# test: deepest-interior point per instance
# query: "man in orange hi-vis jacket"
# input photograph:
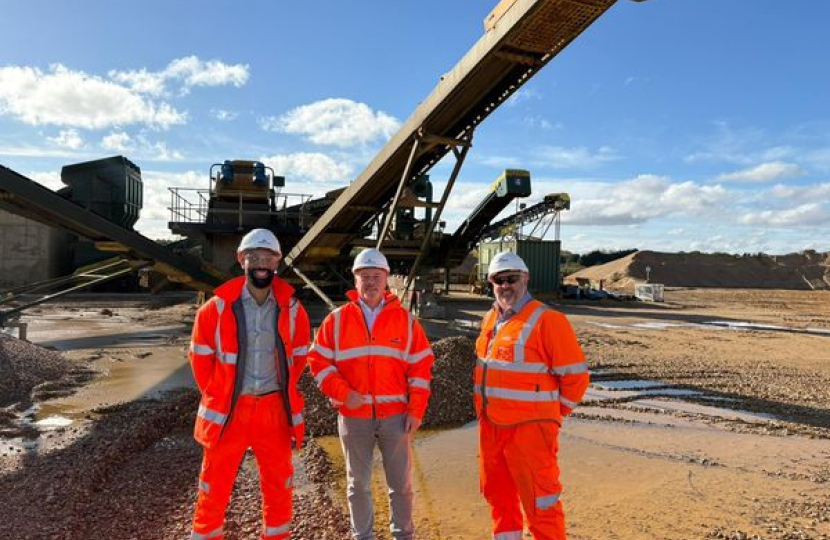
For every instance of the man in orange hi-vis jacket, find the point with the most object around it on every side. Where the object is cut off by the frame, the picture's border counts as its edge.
(372, 358)
(247, 352)
(529, 375)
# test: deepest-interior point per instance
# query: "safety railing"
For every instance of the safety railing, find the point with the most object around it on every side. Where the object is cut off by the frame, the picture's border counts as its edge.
(192, 205)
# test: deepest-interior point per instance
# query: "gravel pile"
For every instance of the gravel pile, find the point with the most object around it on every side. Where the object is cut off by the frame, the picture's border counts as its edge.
(24, 366)
(133, 474)
(451, 402)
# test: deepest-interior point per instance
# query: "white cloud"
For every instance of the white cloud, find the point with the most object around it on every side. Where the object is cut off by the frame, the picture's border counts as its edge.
(189, 71)
(72, 98)
(540, 123)
(523, 94)
(810, 214)
(140, 147)
(196, 72)
(223, 115)
(309, 167)
(642, 199)
(557, 157)
(798, 194)
(336, 122)
(116, 141)
(765, 172)
(50, 179)
(68, 138)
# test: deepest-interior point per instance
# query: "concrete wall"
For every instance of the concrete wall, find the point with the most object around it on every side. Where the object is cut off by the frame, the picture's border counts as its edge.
(30, 251)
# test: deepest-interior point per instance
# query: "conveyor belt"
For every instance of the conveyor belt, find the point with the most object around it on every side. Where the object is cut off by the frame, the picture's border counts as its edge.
(526, 38)
(29, 199)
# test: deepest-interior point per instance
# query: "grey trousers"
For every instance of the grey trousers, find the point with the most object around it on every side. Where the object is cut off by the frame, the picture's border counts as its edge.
(357, 437)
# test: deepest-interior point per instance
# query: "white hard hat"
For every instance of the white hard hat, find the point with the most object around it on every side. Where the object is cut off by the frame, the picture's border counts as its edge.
(504, 261)
(370, 258)
(259, 239)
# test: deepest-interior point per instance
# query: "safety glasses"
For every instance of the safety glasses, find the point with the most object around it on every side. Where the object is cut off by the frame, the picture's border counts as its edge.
(261, 258)
(511, 279)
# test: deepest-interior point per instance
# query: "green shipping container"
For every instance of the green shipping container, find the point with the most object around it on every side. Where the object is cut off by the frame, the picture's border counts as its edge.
(541, 258)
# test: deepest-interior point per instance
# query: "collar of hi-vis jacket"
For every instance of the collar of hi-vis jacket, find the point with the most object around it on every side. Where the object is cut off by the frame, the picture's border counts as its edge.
(388, 298)
(231, 290)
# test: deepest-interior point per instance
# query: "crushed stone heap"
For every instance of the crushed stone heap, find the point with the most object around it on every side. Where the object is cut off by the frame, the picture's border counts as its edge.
(451, 402)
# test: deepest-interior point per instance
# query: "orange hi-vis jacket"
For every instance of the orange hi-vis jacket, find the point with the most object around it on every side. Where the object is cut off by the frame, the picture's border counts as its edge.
(531, 370)
(391, 367)
(217, 349)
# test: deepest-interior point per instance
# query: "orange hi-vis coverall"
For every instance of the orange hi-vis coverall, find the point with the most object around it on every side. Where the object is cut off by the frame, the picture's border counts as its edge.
(227, 423)
(528, 376)
(391, 367)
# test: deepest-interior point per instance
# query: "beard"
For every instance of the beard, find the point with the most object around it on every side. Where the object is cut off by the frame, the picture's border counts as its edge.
(260, 282)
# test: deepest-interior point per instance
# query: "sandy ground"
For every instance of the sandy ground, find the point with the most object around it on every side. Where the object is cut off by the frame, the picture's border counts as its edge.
(709, 417)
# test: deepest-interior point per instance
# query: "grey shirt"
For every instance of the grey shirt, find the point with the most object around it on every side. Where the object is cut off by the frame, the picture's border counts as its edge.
(261, 375)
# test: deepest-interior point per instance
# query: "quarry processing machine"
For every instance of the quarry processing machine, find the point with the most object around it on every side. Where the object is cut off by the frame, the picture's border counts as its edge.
(521, 37)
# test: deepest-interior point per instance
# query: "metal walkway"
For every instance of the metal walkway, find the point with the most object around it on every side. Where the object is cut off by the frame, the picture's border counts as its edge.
(27, 198)
(524, 40)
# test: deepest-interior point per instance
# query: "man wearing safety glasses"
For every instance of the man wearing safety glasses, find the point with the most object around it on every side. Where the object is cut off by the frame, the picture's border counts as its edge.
(530, 374)
(247, 352)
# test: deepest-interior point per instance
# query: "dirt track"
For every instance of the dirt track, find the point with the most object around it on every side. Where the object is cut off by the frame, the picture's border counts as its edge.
(637, 463)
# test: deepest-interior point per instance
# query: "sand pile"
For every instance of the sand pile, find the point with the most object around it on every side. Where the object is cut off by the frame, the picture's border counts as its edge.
(796, 271)
(451, 402)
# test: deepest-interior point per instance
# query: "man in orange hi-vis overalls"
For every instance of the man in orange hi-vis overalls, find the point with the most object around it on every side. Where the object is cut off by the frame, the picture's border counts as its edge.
(530, 374)
(372, 358)
(247, 352)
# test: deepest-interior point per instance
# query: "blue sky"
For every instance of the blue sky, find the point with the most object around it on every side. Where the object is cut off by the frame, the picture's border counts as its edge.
(675, 125)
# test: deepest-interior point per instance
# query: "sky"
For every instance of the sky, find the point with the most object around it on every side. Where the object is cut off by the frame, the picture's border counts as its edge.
(674, 125)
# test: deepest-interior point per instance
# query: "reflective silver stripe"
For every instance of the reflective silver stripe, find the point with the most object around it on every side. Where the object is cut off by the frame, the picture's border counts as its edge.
(323, 351)
(390, 399)
(542, 396)
(568, 403)
(204, 486)
(336, 333)
(297, 419)
(508, 535)
(357, 352)
(198, 348)
(274, 531)
(410, 323)
(301, 351)
(320, 377)
(292, 318)
(418, 382)
(415, 358)
(220, 307)
(546, 501)
(573, 369)
(519, 346)
(211, 415)
(212, 534)
(367, 399)
(228, 358)
(501, 365)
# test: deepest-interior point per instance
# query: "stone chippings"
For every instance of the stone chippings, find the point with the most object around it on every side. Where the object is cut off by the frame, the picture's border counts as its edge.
(25, 366)
(133, 474)
(451, 402)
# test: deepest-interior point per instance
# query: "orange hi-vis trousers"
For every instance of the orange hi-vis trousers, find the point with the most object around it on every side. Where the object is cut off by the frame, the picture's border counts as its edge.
(518, 464)
(258, 423)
